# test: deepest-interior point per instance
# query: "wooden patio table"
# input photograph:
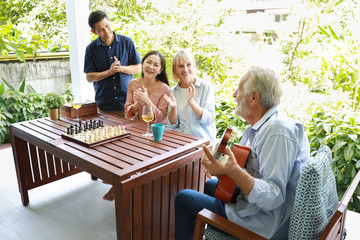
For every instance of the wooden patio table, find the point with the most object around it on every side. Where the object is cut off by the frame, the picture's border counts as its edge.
(146, 175)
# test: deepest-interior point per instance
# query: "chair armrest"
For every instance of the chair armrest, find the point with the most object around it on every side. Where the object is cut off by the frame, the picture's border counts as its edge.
(206, 216)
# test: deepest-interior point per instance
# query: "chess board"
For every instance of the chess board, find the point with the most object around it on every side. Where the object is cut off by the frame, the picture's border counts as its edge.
(94, 133)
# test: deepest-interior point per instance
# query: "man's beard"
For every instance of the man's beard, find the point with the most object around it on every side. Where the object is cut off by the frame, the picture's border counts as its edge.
(241, 109)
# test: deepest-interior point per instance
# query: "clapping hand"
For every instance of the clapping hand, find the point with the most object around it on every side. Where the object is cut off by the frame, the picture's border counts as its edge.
(141, 96)
(115, 67)
(191, 93)
(170, 99)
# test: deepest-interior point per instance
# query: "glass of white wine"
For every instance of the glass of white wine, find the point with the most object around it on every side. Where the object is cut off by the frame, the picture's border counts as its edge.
(147, 116)
(76, 103)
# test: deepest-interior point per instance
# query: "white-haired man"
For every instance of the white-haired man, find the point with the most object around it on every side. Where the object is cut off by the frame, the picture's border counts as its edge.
(279, 151)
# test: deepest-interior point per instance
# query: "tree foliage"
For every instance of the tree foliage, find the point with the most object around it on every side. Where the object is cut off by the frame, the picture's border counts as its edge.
(323, 52)
(14, 10)
(40, 24)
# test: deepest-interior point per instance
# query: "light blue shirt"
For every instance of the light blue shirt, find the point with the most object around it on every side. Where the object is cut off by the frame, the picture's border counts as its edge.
(205, 97)
(279, 151)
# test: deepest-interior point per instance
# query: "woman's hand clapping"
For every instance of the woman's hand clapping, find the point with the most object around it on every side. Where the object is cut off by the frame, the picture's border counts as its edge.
(141, 96)
(170, 99)
(191, 94)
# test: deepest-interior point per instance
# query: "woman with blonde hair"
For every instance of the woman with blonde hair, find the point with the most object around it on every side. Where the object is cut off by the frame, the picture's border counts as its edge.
(191, 101)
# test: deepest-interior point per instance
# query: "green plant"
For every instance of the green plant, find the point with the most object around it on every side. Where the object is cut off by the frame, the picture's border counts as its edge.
(337, 127)
(4, 116)
(323, 51)
(40, 22)
(25, 106)
(68, 96)
(225, 117)
(17, 106)
(54, 100)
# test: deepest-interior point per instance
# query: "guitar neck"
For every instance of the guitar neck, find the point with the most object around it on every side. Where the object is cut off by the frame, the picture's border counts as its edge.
(228, 139)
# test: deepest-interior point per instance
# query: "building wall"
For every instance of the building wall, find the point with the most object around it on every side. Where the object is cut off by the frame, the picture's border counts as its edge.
(44, 75)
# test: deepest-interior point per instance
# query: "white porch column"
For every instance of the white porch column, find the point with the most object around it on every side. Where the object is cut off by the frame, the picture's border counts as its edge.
(77, 13)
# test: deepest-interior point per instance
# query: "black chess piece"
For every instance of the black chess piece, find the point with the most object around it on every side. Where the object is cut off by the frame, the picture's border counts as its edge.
(71, 129)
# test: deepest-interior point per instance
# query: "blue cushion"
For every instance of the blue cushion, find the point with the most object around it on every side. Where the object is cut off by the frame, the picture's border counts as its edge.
(212, 234)
(316, 198)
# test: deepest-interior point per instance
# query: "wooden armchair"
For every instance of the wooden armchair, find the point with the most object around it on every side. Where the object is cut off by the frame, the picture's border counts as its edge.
(333, 224)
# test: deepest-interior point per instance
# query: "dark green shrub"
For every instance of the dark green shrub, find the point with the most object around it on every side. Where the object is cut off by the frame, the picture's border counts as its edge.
(338, 129)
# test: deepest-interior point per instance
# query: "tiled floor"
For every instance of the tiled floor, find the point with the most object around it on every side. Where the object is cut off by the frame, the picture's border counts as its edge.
(71, 209)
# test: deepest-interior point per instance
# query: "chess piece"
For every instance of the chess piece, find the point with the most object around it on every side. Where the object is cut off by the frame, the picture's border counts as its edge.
(72, 130)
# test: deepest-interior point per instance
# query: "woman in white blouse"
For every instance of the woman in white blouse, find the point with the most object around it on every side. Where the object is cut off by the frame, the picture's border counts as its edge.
(191, 101)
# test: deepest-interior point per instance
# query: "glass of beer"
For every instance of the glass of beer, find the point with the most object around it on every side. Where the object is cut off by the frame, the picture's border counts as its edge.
(147, 115)
(76, 103)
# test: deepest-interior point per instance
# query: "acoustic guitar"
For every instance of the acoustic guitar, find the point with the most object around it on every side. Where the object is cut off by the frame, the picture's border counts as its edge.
(226, 186)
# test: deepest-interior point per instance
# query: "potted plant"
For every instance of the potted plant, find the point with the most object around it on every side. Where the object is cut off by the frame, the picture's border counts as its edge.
(54, 102)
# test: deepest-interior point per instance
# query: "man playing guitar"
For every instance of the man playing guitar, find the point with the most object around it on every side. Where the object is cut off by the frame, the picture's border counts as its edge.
(279, 151)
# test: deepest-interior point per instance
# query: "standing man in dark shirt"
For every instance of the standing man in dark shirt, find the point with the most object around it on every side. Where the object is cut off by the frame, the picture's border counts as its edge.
(110, 62)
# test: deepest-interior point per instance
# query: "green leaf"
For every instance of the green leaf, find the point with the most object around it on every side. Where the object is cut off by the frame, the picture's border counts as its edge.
(333, 34)
(340, 176)
(353, 137)
(338, 145)
(349, 152)
(8, 115)
(325, 140)
(20, 55)
(8, 85)
(22, 87)
(356, 202)
(358, 164)
(2, 89)
(327, 127)
(350, 170)
(338, 158)
(323, 31)
(31, 89)
(13, 45)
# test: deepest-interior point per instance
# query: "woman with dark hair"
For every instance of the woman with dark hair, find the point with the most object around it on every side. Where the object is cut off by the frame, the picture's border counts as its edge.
(149, 89)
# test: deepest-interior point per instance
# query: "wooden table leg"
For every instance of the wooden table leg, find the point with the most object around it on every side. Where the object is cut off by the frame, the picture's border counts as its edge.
(21, 156)
(122, 212)
(94, 178)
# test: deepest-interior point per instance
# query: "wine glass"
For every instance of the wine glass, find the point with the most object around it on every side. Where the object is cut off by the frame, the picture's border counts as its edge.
(76, 103)
(147, 116)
